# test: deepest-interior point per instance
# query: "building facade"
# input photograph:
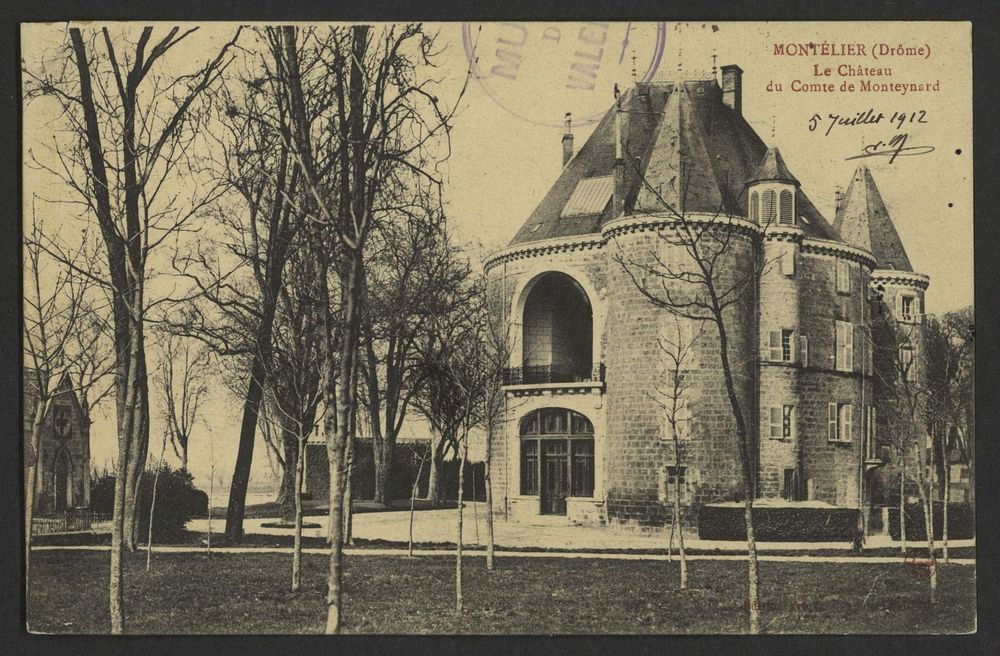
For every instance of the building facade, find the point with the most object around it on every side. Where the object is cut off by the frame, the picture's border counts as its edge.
(586, 433)
(63, 455)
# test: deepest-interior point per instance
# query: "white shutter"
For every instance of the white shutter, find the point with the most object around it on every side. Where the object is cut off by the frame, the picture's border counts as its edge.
(774, 349)
(849, 347)
(804, 351)
(775, 427)
(899, 307)
(788, 261)
(838, 345)
(831, 422)
(794, 420)
(847, 435)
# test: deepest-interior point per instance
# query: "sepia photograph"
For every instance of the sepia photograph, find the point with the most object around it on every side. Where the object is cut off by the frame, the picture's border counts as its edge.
(497, 328)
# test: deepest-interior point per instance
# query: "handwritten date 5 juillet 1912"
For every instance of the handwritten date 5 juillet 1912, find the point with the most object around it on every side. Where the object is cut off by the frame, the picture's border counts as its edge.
(892, 147)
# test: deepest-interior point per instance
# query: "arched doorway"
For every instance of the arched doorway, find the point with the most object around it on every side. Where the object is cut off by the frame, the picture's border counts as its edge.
(557, 457)
(61, 480)
(557, 344)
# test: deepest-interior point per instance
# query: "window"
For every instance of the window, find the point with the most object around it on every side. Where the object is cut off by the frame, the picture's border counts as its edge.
(769, 207)
(845, 346)
(754, 208)
(558, 437)
(839, 417)
(786, 218)
(804, 351)
(781, 345)
(843, 276)
(788, 261)
(907, 308)
(583, 468)
(788, 485)
(683, 419)
(529, 467)
(674, 473)
(782, 422)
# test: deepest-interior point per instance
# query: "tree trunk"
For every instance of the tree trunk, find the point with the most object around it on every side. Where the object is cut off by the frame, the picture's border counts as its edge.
(138, 453)
(902, 505)
(32, 485)
(490, 565)
(433, 480)
(944, 511)
(287, 501)
(752, 573)
(458, 536)
(928, 504)
(152, 507)
(413, 502)
(382, 452)
(236, 509)
(300, 466)
(680, 532)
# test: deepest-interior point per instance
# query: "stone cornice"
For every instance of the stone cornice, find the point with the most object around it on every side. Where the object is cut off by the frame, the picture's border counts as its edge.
(837, 249)
(543, 247)
(906, 278)
(641, 223)
(784, 233)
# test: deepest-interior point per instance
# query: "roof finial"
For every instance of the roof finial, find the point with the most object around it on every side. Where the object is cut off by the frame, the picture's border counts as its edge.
(713, 63)
(635, 78)
(680, 62)
(772, 127)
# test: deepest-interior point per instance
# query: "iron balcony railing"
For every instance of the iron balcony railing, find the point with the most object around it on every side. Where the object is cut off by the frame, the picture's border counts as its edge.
(541, 374)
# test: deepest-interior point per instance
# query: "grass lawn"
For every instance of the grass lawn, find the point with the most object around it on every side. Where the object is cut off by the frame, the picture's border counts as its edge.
(248, 593)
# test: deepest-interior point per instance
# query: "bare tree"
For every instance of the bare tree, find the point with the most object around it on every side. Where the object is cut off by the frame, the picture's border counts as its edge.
(131, 128)
(387, 121)
(152, 505)
(677, 343)
(183, 379)
(901, 371)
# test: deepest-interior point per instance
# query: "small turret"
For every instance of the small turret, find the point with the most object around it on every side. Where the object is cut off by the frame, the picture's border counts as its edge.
(771, 191)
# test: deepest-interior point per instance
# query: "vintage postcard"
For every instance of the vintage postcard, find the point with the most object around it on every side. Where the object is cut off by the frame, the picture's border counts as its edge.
(498, 328)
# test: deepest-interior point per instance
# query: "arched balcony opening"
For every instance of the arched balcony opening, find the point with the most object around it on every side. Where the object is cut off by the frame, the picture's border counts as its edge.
(558, 332)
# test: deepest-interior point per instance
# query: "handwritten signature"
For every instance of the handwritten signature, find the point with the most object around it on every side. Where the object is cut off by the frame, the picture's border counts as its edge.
(893, 148)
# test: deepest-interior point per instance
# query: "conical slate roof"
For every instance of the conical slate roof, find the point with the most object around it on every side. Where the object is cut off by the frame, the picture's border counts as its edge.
(772, 169)
(684, 148)
(863, 221)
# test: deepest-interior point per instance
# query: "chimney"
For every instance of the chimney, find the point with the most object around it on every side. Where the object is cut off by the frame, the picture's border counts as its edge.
(618, 194)
(732, 87)
(568, 140)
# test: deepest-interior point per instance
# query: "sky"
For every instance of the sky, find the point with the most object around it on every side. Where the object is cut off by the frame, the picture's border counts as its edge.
(506, 141)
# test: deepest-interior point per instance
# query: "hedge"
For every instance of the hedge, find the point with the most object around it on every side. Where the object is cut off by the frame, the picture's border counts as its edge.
(177, 501)
(961, 521)
(779, 524)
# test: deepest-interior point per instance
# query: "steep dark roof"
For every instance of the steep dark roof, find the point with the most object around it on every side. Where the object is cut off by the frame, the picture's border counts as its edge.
(863, 221)
(772, 169)
(694, 153)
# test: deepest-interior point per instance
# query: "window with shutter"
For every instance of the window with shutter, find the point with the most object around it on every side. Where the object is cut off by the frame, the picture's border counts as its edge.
(774, 429)
(769, 208)
(843, 276)
(845, 433)
(788, 422)
(774, 346)
(831, 422)
(787, 345)
(786, 209)
(844, 346)
(754, 207)
(788, 261)
(804, 351)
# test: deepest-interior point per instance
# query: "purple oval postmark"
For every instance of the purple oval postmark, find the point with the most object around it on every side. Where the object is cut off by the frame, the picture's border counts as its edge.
(540, 71)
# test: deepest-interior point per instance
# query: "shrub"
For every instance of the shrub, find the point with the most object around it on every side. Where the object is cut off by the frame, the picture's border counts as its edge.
(779, 524)
(961, 521)
(177, 501)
